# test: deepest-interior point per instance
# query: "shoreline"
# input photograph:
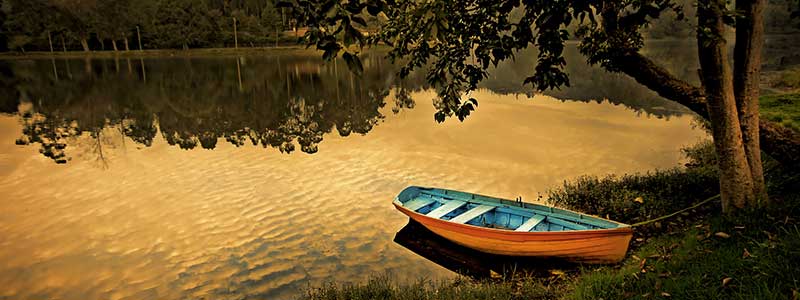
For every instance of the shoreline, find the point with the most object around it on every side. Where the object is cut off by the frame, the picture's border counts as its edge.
(149, 53)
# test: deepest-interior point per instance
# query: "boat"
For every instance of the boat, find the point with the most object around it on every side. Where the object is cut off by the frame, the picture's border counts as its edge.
(515, 228)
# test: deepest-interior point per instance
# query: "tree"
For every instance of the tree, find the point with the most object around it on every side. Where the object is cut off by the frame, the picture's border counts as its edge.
(24, 22)
(459, 40)
(81, 15)
(182, 23)
(271, 21)
(114, 21)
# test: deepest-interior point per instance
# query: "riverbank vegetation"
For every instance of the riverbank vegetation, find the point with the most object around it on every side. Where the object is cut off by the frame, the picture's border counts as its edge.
(98, 25)
(699, 254)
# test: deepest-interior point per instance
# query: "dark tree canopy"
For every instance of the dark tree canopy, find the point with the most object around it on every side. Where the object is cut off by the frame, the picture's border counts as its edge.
(458, 41)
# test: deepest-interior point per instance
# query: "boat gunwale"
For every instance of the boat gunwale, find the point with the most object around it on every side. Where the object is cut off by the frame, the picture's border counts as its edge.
(623, 230)
(622, 227)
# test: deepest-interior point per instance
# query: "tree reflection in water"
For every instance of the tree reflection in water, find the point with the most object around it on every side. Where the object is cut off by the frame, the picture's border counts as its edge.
(280, 101)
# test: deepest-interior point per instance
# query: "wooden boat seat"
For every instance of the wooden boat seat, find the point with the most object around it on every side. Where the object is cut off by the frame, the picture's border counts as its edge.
(448, 207)
(567, 224)
(418, 203)
(532, 222)
(472, 214)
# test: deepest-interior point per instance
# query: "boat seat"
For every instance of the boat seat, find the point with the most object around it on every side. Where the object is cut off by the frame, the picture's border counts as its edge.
(472, 214)
(448, 207)
(532, 222)
(568, 224)
(418, 203)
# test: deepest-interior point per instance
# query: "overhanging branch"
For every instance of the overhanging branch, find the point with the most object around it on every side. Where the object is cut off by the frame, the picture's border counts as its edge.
(780, 143)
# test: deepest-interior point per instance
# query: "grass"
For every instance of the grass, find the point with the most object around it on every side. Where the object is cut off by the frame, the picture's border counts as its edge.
(697, 255)
(380, 287)
(783, 109)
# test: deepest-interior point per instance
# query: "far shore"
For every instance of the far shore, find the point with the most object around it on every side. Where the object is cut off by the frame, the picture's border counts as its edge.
(199, 52)
(160, 53)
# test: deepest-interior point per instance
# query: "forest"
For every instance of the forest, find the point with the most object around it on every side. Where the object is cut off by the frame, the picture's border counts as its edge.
(98, 25)
(92, 25)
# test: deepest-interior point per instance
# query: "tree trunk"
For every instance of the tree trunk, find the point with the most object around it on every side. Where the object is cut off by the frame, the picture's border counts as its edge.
(746, 70)
(50, 41)
(63, 44)
(127, 48)
(85, 44)
(114, 44)
(736, 181)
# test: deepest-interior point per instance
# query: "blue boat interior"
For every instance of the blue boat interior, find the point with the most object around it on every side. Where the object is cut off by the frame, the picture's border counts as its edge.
(490, 212)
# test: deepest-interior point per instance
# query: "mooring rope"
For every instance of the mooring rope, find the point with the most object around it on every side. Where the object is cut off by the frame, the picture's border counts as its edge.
(712, 198)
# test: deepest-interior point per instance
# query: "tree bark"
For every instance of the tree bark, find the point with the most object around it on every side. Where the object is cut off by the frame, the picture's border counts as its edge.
(114, 45)
(736, 181)
(746, 70)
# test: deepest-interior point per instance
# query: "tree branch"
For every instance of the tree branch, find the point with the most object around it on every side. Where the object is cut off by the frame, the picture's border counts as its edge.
(780, 143)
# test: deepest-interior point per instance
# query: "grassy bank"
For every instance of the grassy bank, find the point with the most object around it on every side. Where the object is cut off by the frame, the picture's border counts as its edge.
(783, 109)
(700, 254)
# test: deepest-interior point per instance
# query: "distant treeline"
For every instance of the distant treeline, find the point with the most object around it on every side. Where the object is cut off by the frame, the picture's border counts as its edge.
(112, 24)
(91, 25)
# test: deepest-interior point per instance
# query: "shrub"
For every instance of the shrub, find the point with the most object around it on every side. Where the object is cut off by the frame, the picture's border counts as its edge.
(634, 198)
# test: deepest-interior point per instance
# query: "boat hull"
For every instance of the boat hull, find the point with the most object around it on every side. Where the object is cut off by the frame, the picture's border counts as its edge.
(588, 246)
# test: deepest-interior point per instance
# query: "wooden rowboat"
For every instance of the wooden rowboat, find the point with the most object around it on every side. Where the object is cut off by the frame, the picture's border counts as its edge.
(515, 228)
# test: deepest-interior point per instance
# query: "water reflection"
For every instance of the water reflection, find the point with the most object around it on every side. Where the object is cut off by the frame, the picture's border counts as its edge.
(244, 222)
(280, 101)
(469, 262)
(272, 101)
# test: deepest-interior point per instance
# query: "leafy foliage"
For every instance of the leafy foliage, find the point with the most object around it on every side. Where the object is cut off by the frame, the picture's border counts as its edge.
(638, 197)
(162, 23)
(458, 41)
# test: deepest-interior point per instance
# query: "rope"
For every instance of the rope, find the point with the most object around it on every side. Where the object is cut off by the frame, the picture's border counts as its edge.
(712, 198)
(677, 212)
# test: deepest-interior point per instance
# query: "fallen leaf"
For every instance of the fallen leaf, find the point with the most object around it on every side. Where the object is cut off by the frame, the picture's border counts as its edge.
(794, 294)
(738, 227)
(494, 274)
(746, 253)
(640, 239)
(645, 295)
(636, 257)
(556, 272)
(641, 264)
(726, 280)
(722, 235)
(665, 294)
(638, 200)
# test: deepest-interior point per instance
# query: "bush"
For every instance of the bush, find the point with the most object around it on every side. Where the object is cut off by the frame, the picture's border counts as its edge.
(634, 198)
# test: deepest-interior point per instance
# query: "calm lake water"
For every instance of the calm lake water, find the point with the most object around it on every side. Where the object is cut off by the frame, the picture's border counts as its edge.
(256, 176)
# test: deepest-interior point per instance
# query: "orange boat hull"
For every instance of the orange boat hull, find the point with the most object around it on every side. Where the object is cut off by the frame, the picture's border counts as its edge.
(589, 246)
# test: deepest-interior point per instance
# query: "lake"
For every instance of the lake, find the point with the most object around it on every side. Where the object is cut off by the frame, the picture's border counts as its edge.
(237, 177)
